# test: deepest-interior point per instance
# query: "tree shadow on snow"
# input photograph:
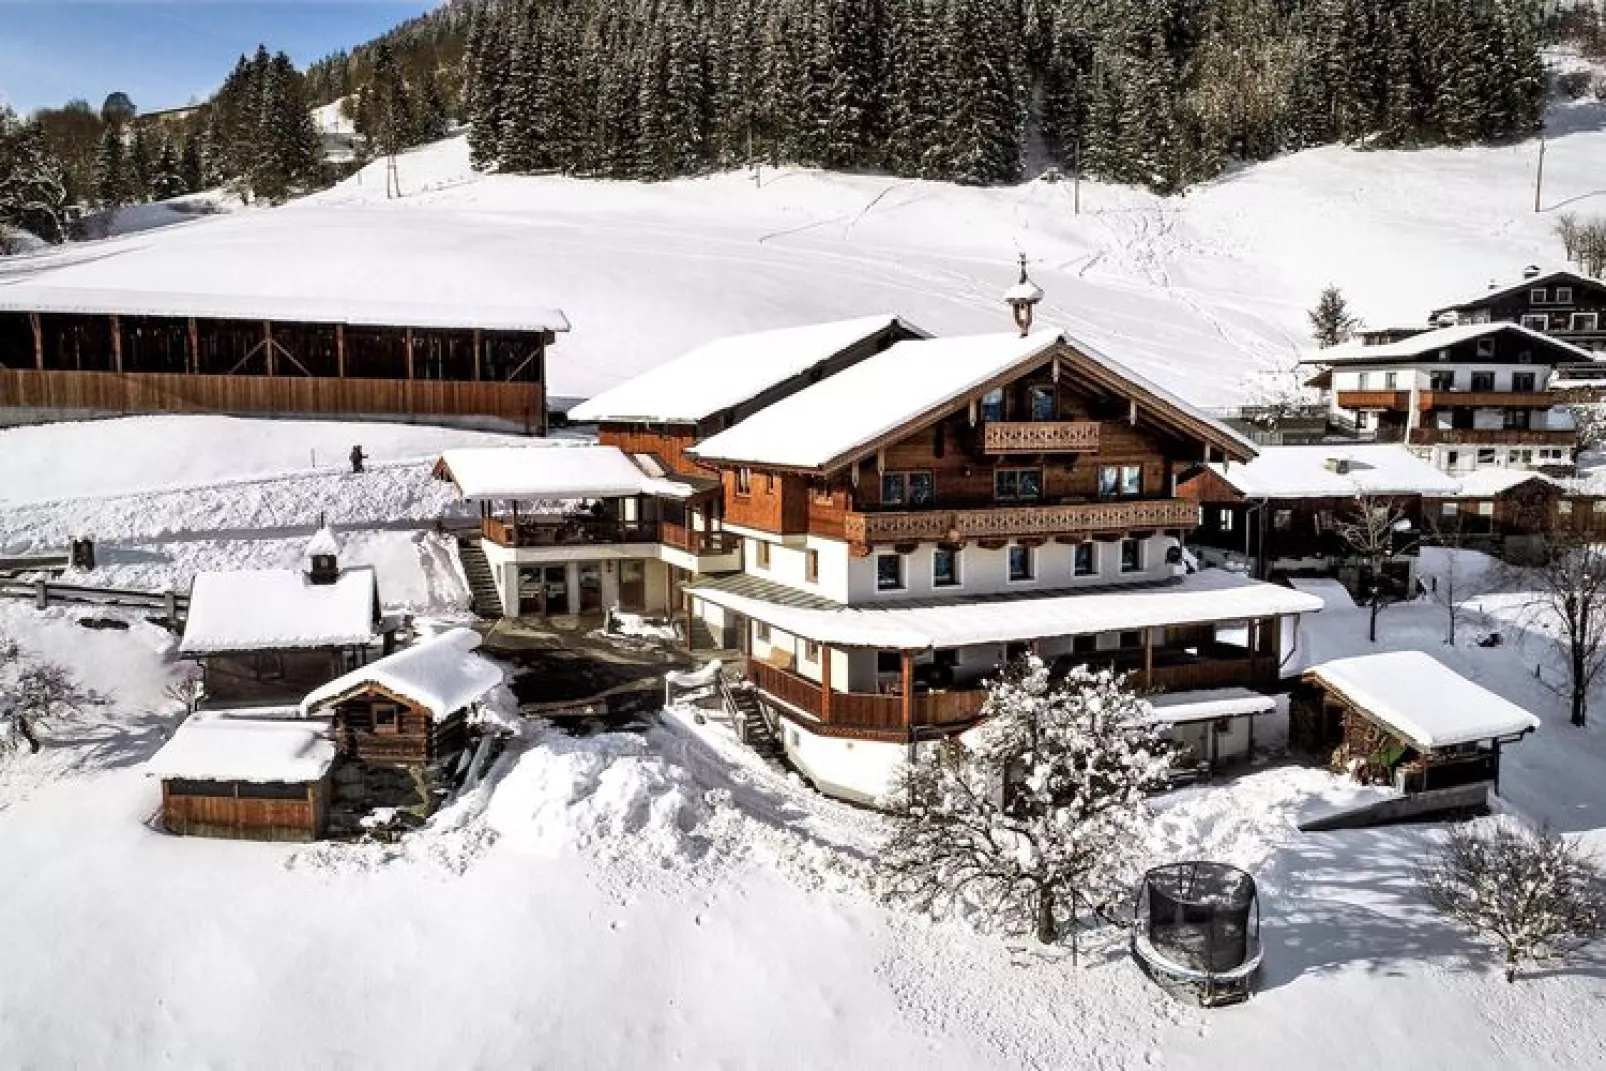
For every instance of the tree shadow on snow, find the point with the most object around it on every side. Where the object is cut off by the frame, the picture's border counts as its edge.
(111, 742)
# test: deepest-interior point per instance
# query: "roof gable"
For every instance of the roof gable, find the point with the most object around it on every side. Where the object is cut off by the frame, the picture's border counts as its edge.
(440, 675)
(1502, 292)
(1426, 346)
(279, 610)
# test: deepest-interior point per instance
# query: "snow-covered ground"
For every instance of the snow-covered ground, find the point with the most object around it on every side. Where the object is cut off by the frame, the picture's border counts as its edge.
(1196, 291)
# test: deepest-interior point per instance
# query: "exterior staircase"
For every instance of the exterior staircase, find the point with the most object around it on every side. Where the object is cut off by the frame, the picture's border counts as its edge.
(753, 722)
(702, 637)
(487, 603)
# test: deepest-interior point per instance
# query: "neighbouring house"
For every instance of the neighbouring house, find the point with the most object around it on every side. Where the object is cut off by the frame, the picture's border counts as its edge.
(1465, 397)
(253, 775)
(1505, 512)
(1284, 513)
(669, 408)
(1564, 303)
(269, 636)
(410, 708)
(913, 521)
(1405, 719)
(572, 530)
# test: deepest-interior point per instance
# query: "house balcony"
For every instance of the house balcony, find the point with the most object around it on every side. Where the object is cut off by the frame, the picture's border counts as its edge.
(1072, 520)
(698, 542)
(1374, 399)
(1400, 400)
(1040, 437)
(566, 530)
(1486, 437)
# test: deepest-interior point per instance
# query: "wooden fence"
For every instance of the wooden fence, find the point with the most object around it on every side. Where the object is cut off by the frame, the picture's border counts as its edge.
(46, 592)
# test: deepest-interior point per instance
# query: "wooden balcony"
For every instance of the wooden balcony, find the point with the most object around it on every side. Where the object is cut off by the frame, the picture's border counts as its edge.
(1041, 437)
(1486, 399)
(697, 542)
(863, 712)
(1491, 437)
(1374, 399)
(1075, 519)
(560, 531)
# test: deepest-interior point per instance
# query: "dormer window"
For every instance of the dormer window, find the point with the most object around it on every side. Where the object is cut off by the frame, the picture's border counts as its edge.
(1538, 295)
(1564, 295)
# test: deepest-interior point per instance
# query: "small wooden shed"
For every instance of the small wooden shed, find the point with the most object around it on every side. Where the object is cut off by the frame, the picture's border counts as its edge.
(246, 776)
(1406, 719)
(409, 708)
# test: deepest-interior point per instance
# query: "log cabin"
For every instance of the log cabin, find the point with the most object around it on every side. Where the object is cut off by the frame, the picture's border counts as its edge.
(940, 508)
(246, 775)
(1283, 513)
(76, 353)
(1465, 397)
(411, 708)
(268, 636)
(1405, 719)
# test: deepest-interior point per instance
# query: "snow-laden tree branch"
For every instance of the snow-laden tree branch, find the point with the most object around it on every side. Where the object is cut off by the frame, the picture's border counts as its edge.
(1035, 812)
(35, 692)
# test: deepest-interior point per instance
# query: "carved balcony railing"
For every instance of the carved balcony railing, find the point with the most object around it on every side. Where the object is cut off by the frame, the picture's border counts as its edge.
(1491, 437)
(1010, 522)
(1041, 437)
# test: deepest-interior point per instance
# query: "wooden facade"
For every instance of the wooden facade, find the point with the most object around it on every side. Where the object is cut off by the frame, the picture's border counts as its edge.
(245, 810)
(1565, 304)
(274, 676)
(121, 363)
(384, 728)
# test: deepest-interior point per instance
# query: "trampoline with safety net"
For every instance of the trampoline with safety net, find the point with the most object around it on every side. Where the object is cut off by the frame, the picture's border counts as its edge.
(1197, 925)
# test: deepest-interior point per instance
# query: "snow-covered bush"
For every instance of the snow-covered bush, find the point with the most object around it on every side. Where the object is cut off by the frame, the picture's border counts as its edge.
(33, 692)
(1032, 815)
(1531, 893)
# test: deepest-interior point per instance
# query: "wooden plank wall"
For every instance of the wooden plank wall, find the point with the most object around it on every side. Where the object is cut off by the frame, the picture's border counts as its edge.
(669, 443)
(523, 404)
(776, 503)
(247, 818)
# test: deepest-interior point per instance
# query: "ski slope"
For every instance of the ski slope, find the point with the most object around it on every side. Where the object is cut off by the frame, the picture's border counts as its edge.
(1197, 291)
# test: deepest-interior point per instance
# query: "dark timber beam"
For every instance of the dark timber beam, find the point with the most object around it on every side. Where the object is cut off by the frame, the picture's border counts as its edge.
(478, 347)
(407, 340)
(340, 350)
(194, 353)
(825, 684)
(117, 343)
(267, 346)
(38, 340)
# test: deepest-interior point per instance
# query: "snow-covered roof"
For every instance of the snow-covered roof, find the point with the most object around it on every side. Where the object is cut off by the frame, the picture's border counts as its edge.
(1180, 708)
(352, 307)
(1500, 290)
(1304, 472)
(1422, 700)
(823, 426)
(1429, 342)
(442, 674)
(212, 746)
(1209, 596)
(1334, 595)
(1026, 291)
(278, 609)
(553, 472)
(322, 544)
(729, 371)
(1490, 482)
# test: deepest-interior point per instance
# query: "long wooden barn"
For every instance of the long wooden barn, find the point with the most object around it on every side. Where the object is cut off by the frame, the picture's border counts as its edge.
(67, 354)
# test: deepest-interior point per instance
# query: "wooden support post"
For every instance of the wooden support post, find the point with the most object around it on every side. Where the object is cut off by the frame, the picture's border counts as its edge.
(407, 342)
(340, 350)
(41, 595)
(909, 694)
(825, 684)
(38, 341)
(194, 352)
(267, 346)
(1148, 656)
(117, 343)
(479, 337)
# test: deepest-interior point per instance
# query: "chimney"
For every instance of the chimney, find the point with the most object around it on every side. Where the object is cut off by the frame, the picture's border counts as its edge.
(1022, 298)
(1340, 465)
(1531, 272)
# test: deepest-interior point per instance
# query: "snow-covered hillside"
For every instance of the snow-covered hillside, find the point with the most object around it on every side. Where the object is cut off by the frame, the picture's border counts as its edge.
(1196, 291)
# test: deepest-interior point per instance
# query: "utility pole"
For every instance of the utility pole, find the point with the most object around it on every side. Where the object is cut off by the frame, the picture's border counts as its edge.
(1076, 175)
(1539, 179)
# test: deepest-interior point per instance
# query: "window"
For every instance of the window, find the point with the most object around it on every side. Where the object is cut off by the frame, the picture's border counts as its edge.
(906, 489)
(921, 489)
(1020, 563)
(1120, 481)
(1450, 509)
(1224, 520)
(1018, 485)
(1565, 508)
(1551, 455)
(1043, 403)
(1452, 458)
(1538, 296)
(1516, 419)
(1485, 349)
(889, 572)
(1564, 295)
(1363, 380)
(811, 566)
(811, 651)
(744, 481)
(1536, 321)
(892, 488)
(992, 405)
(1084, 560)
(1483, 381)
(1521, 457)
(761, 632)
(761, 553)
(385, 716)
(1486, 509)
(1283, 520)
(1391, 380)
(1084, 644)
(1441, 381)
(772, 483)
(178, 786)
(271, 791)
(1486, 456)
(944, 568)
(1585, 321)
(1522, 381)
(1131, 556)
(1599, 506)
(1131, 480)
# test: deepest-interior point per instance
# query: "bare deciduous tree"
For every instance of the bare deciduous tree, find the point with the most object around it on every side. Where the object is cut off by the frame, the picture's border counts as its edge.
(1375, 530)
(1532, 893)
(34, 692)
(1037, 813)
(1568, 601)
(1463, 573)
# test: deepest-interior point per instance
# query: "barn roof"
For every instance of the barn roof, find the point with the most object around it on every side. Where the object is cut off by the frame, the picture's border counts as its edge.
(1422, 700)
(441, 674)
(279, 609)
(220, 746)
(1307, 472)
